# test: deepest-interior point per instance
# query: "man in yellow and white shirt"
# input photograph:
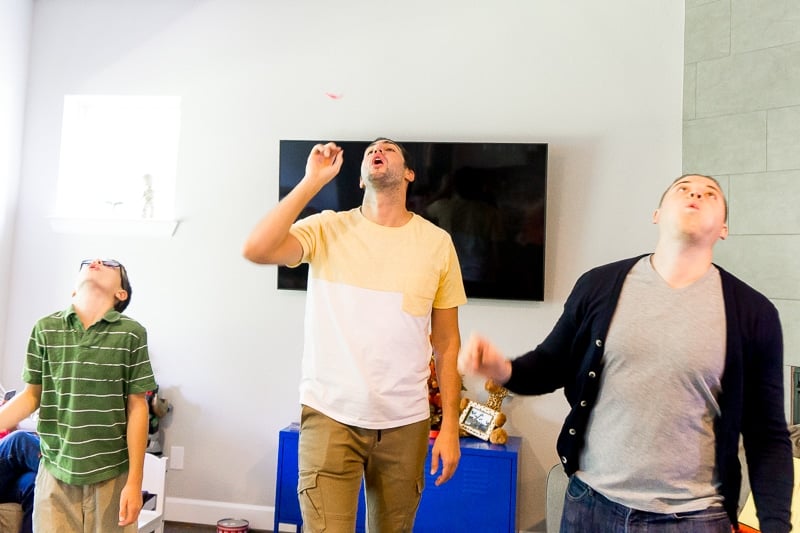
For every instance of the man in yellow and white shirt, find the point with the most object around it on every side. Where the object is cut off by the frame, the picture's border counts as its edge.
(384, 285)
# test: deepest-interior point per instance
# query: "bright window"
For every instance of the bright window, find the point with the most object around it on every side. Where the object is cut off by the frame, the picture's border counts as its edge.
(118, 157)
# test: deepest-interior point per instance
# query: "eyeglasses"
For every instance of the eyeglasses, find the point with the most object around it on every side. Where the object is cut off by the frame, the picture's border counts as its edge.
(106, 262)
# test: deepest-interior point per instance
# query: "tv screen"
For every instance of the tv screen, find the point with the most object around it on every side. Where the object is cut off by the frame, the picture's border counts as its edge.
(490, 197)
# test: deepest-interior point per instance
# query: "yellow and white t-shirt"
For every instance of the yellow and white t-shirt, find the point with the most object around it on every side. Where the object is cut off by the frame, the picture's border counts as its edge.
(371, 289)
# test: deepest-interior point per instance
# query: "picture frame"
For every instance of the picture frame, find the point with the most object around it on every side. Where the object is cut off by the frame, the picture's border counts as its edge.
(478, 420)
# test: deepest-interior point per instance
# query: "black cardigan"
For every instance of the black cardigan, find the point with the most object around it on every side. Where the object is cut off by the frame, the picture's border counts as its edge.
(751, 400)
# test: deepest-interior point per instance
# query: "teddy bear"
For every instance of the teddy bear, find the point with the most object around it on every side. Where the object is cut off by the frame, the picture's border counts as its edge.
(497, 394)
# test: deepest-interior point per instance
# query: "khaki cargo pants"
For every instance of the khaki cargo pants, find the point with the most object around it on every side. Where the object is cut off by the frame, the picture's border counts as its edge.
(333, 458)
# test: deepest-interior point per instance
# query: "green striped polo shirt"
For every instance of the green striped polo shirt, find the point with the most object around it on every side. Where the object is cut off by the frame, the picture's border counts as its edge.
(86, 376)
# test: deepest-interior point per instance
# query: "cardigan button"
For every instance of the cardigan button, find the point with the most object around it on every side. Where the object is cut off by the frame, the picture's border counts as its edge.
(572, 431)
(563, 459)
(598, 343)
(583, 403)
(592, 374)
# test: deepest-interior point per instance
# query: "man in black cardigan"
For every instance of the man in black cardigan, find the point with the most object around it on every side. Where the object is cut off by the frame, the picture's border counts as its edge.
(666, 359)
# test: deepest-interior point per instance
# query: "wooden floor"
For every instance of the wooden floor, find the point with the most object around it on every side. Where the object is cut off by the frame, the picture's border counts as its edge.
(177, 527)
(180, 527)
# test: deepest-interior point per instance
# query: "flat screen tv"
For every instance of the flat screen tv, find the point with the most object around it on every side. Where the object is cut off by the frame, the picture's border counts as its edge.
(490, 197)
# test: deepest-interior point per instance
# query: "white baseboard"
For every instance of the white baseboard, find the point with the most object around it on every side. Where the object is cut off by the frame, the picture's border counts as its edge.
(210, 512)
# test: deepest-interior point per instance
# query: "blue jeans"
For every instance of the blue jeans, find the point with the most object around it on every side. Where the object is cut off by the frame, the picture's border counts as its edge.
(19, 462)
(587, 511)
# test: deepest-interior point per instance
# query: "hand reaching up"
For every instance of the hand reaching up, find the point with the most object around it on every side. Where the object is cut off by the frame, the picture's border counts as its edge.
(324, 163)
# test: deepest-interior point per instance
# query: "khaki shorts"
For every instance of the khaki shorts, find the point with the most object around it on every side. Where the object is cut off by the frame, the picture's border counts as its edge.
(333, 458)
(60, 507)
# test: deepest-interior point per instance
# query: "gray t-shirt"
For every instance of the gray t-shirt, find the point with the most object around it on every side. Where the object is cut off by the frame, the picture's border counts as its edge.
(650, 439)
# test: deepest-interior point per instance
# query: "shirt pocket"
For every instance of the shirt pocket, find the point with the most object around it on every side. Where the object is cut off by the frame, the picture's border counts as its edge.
(419, 293)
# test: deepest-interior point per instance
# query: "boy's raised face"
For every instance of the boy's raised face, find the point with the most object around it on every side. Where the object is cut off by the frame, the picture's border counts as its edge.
(105, 274)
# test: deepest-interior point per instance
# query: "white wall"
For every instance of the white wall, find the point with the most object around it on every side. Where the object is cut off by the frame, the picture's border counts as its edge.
(15, 34)
(600, 82)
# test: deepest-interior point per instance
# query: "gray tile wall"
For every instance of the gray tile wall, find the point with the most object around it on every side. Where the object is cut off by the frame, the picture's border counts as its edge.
(742, 124)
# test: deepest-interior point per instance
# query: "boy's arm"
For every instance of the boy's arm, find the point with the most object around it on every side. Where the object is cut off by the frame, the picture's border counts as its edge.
(20, 406)
(130, 502)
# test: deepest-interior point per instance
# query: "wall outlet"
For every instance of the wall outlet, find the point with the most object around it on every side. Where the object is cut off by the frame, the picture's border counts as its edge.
(176, 458)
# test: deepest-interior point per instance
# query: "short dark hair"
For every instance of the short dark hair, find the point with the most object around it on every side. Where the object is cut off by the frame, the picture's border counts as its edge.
(408, 159)
(120, 305)
(679, 178)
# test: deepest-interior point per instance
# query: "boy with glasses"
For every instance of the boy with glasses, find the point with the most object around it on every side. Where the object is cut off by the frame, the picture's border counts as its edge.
(87, 371)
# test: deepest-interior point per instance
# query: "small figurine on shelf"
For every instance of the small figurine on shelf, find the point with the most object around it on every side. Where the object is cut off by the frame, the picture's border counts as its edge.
(148, 195)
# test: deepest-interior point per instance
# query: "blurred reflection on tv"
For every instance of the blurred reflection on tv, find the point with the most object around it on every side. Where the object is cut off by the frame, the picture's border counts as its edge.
(490, 197)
